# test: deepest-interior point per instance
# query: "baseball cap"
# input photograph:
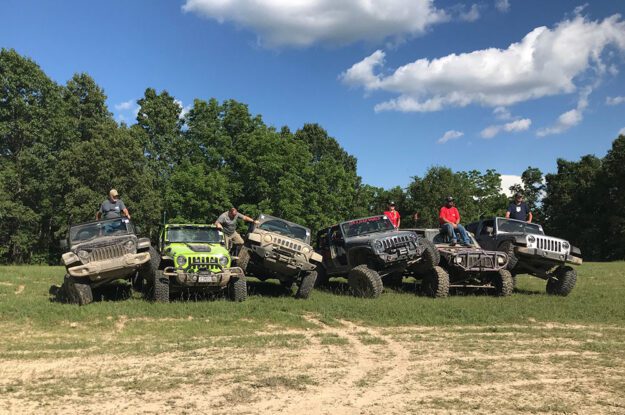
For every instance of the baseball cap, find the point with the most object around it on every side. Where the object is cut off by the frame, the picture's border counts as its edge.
(449, 199)
(113, 193)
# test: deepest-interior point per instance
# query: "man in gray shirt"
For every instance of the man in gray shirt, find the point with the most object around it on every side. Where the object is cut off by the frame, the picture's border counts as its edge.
(112, 208)
(227, 222)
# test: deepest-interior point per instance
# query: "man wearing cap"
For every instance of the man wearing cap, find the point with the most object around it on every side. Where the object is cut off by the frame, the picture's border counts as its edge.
(518, 209)
(227, 222)
(112, 208)
(449, 218)
(393, 215)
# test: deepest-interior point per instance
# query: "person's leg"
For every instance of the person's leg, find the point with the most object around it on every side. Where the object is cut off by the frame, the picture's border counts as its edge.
(463, 234)
(237, 242)
(449, 230)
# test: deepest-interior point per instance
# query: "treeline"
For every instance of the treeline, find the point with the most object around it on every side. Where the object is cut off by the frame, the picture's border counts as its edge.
(61, 151)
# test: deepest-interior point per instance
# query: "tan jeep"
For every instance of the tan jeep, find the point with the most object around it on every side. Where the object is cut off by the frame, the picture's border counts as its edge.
(278, 249)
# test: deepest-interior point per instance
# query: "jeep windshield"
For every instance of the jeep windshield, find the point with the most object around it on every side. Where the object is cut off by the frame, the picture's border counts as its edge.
(189, 234)
(110, 227)
(517, 226)
(286, 229)
(367, 225)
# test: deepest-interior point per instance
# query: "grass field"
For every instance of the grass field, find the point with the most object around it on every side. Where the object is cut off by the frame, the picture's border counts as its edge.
(401, 353)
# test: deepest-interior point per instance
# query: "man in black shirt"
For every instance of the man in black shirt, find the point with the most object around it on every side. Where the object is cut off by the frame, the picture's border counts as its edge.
(518, 209)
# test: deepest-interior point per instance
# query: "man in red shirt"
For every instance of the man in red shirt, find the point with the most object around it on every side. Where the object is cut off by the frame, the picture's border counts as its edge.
(449, 218)
(393, 215)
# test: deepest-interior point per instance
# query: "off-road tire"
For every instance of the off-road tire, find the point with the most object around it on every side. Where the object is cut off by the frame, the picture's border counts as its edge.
(237, 289)
(306, 284)
(394, 279)
(244, 258)
(435, 283)
(508, 248)
(322, 276)
(514, 280)
(429, 258)
(76, 291)
(141, 281)
(365, 282)
(562, 281)
(503, 282)
(159, 287)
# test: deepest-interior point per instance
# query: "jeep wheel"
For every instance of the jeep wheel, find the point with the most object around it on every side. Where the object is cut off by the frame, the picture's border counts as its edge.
(306, 285)
(77, 292)
(435, 283)
(159, 287)
(562, 281)
(503, 282)
(508, 248)
(365, 282)
(237, 289)
(147, 271)
(244, 258)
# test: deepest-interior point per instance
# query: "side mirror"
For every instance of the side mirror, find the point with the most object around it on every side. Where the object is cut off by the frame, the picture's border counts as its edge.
(63, 244)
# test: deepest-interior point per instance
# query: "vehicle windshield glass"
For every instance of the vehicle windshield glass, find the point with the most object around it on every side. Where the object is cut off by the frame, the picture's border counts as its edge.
(192, 234)
(286, 229)
(517, 226)
(110, 227)
(367, 225)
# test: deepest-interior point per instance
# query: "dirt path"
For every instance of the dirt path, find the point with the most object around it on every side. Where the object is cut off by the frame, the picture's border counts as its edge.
(343, 369)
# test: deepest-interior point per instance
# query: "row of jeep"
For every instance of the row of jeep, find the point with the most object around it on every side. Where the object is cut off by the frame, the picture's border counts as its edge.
(369, 252)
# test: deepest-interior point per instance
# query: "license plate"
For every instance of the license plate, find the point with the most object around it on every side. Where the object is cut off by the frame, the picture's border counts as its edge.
(207, 278)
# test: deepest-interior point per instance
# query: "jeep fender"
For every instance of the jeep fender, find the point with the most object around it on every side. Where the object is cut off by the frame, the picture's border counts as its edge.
(358, 256)
(254, 237)
(316, 258)
(69, 258)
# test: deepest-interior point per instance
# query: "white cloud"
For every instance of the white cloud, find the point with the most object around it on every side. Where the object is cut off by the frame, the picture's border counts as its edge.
(126, 111)
(622, 132)
(614, 100)
(183, 110)
(450, 135)
(502, 5)
(570, 118)
(502, 113)
(508, 180)
(305, 22)
(545, 62)
(511, 127)
(124, 106)
(472, 15)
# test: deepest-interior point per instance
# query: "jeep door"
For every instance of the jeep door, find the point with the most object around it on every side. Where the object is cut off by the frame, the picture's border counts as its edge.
(486, 234)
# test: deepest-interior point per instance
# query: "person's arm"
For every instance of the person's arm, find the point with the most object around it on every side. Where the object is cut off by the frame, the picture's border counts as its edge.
(508, 214)
(530, 217)
(124, 209)
(509, 211)
(248, 219)
(441, 216)
(458, 216)
(98, 214)
(218, 223)
(398, 221)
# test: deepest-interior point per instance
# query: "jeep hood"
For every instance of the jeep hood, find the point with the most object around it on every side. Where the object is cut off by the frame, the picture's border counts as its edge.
(195, 249)
(102, 242)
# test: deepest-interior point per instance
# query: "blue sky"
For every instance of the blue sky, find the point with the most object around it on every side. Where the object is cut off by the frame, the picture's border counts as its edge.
(402, 85)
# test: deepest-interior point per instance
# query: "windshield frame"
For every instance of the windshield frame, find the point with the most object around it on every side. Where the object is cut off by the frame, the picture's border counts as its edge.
(97, 227)
(345, 226)
(263, 219)
(170, 228)
(523, 227)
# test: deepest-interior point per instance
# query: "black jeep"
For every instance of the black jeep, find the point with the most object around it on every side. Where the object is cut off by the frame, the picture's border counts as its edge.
(367, 251)
(531, 251)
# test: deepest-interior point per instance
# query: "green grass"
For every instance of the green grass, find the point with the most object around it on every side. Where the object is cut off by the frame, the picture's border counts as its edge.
(29, 314)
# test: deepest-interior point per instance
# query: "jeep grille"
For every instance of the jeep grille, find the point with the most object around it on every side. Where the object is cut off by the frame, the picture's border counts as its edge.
(396, 241)
(197, 262)
(287, 244)
(107, 252)
(548, 245)
(481, 261)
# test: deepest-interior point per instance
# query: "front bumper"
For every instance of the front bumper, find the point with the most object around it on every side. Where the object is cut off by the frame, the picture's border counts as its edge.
(553, 256)
(112, 268)
(398, 256)
(204, 279)
(278, 262)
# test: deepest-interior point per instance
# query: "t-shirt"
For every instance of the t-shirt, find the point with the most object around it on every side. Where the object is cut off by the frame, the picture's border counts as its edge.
(451, 214)
(519, 212)
(112, 210)
(394, 216)
(229, 225)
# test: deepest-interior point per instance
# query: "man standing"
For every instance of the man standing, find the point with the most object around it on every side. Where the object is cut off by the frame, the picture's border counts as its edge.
(112, 208)
(449, 218)
(227, 222)
(393, 215)
(518, 209)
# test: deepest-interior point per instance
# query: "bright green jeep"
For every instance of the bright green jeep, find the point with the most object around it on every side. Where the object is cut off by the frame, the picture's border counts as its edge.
(194, 258)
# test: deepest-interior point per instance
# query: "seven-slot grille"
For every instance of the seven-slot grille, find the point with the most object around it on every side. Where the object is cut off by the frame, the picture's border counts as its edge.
(481, 261)
(107, 252)
(287, 244)
(548, 245)
(210, 263)
(396, 241)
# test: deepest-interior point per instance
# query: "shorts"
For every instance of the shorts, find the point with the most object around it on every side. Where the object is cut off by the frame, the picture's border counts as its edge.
(234, 238)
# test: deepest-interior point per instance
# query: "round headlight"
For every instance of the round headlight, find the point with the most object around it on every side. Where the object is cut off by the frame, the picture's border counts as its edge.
(267, 238)
(458, 260)
(531, 239)
(223, 261)
(566, 245)
(305, 250)
(181, 260)
(130, 245)
(378, 245)
(84, 255)
(501, 260)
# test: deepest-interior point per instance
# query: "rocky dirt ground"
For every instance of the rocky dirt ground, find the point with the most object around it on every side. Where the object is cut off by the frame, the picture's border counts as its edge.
(344, 368)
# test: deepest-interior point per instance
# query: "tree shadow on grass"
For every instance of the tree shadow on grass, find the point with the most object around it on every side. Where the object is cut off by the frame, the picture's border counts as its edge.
(115, 292)
(268, 288)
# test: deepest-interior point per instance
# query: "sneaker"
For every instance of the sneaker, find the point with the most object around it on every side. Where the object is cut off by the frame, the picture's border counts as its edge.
(467, 244)
(453, 243)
